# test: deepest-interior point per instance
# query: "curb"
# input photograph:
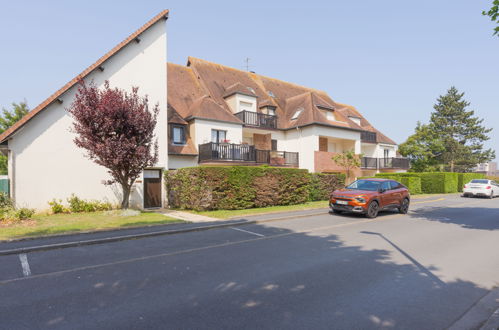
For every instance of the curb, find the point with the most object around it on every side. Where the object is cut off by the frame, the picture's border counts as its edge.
(226, 224)
(492, 323)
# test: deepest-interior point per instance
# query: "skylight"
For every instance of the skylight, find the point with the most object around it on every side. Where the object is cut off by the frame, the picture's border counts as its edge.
(251, 90)
(297, 114)
(271, 94)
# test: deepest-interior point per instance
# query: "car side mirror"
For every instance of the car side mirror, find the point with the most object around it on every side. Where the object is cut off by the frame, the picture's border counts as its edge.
(381, 190)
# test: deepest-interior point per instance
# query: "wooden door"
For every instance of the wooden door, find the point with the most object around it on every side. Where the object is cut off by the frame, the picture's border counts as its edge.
(152, 188)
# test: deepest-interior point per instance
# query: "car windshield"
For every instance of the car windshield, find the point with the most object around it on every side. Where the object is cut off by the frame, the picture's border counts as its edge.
(364, 185)
(480, 181)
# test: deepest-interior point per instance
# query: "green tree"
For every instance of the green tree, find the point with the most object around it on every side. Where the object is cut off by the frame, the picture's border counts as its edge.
(453, 140)
(347, 160)
(493, 13)
(7, 119)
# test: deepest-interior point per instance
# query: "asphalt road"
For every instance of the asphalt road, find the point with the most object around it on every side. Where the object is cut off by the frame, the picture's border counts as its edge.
(423, 270)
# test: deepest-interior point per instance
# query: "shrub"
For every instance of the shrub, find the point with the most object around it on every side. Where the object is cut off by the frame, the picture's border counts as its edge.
(321, 185)
(412, 183)
(431, 182)
(5, 201)
(22, 213)
(242, 187)
(77, 205)
(57, 207)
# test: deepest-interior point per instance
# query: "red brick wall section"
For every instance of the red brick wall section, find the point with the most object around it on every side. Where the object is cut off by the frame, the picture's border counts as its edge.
(324, 164)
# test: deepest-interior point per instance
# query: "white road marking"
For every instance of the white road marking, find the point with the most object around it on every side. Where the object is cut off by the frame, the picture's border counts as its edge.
(247, 231)
(24, 263)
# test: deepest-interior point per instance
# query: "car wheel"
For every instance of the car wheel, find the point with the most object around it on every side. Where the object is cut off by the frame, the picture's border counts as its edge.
(372, 210)
(491, 195)
(336, 211)
(404, 208)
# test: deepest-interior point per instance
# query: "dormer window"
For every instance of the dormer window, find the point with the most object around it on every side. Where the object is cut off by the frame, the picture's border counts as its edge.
(245, 106)
(297, 114)
(178, 134)
(329, 114)
(355, 119)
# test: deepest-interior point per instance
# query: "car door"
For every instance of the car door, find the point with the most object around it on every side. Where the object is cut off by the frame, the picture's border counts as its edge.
(385, 197)
(396, 192)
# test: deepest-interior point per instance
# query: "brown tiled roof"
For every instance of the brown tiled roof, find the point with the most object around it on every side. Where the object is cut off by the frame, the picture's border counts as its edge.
(206, 107)
(202, 78)
(238, 88)
(99, 62)
(351, 111)
(185, 150)
(174, 117)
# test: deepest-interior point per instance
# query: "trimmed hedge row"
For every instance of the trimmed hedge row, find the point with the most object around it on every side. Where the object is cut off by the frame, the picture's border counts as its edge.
(242, 187)
(412, 183)
(437, 182)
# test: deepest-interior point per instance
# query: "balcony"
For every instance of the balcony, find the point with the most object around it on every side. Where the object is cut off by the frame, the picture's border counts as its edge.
(255, 119)
(369, 137)
(384, 163)
(244, 153)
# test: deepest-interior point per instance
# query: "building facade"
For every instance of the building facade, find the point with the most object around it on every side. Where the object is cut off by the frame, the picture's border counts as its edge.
(221, 115)
(43, 161)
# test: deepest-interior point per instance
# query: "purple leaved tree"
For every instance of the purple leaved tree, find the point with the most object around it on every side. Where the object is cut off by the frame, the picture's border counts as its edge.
(116, 129)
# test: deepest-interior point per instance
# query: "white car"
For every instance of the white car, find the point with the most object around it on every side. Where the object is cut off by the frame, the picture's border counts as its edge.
(481, 187)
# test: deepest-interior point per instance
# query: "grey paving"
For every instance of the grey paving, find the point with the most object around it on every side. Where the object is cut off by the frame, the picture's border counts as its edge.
(424, 270)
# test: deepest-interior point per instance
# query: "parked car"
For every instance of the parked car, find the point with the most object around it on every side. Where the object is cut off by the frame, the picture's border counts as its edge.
(369, 196)
(481, 187)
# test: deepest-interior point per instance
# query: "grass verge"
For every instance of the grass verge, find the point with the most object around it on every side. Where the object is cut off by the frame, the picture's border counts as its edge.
(41, 225)
(227, 214)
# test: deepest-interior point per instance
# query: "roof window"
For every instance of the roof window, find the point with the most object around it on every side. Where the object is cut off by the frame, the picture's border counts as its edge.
(297, 114)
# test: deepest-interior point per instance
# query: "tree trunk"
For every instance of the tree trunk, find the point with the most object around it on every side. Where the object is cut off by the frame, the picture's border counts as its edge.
(126, 197)
(452, 166)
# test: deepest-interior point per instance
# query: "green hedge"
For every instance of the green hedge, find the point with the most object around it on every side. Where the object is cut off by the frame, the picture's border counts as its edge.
(321, 185)
(242, 187)
(467, 177)
(431, 182)
(412, 183)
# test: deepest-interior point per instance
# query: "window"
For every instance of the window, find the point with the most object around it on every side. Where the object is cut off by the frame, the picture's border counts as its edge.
(386, 153)
(274, 145)
(271, 94)
(245, 106)
(394, 185)
(297, 114)
(270, 111)
(328, 114)
(355, 120)
(218, 136)
(178, 134)
(385, 185)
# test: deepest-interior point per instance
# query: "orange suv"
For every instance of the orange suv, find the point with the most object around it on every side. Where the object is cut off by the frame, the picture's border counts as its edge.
(369, 196)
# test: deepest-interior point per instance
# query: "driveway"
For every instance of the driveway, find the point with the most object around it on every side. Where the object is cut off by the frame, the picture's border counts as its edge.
(423, 270)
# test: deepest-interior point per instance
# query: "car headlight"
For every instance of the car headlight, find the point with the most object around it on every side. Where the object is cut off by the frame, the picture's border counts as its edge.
(360, 199)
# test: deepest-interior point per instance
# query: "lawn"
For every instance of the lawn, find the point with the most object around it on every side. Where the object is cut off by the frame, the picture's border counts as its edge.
(41, 225)
(227, 214)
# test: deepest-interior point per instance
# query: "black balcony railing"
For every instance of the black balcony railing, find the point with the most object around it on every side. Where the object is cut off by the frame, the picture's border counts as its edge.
(384, 163)
(255, 119)
(394, 163)
(231, 152)
(366, 136)
(369, 162)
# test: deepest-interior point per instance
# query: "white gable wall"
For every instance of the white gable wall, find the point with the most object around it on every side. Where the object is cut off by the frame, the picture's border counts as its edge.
(44, 161)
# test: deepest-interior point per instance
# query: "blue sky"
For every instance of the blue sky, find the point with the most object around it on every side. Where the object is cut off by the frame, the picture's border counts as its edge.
(389, 58)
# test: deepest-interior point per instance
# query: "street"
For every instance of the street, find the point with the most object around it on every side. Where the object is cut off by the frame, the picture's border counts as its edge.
(423, 270)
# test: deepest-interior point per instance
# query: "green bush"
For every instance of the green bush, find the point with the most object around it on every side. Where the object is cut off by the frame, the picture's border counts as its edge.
(242, 187)
(57, 207)
(8, 211)
(431, 182)
(77, 205)
(321, 185)
(5, 201)
(464, 178)
(412, 183)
